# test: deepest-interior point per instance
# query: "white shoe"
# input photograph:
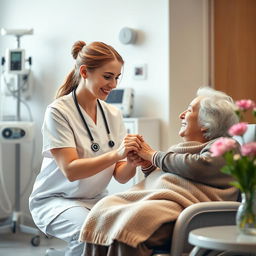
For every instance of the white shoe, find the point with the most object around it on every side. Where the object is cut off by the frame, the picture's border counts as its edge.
(55, 252)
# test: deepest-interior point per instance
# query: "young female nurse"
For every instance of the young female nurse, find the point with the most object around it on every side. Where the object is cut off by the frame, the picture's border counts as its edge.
(84, 145)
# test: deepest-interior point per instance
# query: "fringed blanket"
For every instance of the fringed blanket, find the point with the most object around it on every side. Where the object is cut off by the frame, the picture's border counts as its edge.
(132, 216)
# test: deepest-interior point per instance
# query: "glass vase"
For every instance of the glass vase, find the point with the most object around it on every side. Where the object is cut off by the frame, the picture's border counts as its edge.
(246, 214)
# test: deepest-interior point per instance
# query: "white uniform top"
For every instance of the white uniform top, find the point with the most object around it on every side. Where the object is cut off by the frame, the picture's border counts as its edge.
(53, 193)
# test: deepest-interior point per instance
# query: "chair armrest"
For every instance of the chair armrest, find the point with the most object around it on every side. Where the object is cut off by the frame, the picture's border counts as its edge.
(200, 215)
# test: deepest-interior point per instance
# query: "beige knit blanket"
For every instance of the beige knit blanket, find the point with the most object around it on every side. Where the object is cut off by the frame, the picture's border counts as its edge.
(132, 216)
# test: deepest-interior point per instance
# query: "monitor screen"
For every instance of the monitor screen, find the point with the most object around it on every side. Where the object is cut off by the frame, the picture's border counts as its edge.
(16, 61)
(115, 96)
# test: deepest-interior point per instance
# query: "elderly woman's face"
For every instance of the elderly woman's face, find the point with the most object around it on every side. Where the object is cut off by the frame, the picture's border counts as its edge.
(190, 129)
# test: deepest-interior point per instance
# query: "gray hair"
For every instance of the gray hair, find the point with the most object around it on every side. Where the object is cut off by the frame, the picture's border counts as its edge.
(216, 112)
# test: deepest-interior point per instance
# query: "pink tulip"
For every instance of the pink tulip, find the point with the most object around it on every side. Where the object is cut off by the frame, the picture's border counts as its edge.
(222, 145)
(249, 149)
(238, 129)
(245, 104)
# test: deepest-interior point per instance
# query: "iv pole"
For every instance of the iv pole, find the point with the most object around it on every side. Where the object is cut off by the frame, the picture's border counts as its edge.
(13, 224)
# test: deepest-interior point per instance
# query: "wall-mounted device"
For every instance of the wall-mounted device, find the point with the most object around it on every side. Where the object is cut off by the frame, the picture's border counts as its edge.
(127, 35)
(16, 131)
(123, 99)
(15, 61)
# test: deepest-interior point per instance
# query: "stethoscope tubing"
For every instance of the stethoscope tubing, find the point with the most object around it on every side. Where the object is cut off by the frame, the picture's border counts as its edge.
(94, 146)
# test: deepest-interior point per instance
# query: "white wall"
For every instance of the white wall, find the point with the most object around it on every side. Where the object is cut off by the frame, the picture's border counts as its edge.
(57, 25)
(188, 57)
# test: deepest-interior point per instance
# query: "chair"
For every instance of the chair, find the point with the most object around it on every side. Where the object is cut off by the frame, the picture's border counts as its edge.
(195, 216)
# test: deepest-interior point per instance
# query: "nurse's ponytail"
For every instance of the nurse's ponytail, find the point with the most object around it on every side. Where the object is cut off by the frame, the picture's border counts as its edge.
(93, 56)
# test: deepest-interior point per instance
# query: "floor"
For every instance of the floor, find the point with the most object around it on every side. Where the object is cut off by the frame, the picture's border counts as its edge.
(20, 244)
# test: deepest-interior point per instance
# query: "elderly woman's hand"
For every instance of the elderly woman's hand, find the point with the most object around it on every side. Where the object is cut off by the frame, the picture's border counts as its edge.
(146, 152)
(132, 142)
(135, 160)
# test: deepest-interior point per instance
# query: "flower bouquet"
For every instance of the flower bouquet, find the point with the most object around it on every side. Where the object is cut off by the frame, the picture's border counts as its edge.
(241, 165)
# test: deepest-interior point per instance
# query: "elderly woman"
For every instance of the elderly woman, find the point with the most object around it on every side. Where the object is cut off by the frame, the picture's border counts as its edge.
(136, 221)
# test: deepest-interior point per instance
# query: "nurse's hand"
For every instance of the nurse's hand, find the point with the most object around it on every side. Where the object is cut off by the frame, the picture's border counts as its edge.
(132, 142)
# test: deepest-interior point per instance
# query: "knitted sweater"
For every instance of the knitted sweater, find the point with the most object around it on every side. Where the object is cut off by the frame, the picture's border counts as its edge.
(133, 215)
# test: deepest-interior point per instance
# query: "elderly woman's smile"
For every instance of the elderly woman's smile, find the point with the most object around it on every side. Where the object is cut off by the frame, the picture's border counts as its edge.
(190, 129)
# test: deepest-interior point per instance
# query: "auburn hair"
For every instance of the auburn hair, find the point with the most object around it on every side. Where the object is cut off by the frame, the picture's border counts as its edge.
(94, 56)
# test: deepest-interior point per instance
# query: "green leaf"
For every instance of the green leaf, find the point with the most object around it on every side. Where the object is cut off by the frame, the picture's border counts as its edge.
(237, 185)
(226, 169)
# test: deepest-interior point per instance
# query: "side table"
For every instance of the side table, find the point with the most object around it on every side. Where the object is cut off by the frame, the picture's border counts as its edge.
(224, 240)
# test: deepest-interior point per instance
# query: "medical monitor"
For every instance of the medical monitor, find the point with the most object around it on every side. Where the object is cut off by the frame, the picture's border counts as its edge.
(15, 61)
(122, 98)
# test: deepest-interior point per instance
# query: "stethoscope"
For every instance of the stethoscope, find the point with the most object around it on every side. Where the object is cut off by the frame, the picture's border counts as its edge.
(94, 146)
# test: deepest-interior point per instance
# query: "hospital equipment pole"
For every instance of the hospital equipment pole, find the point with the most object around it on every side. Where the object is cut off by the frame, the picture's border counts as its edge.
(17, 155)
(14, 224)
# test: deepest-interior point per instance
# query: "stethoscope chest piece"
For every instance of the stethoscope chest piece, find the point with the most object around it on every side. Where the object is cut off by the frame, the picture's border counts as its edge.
(111, 143)
(95, 147)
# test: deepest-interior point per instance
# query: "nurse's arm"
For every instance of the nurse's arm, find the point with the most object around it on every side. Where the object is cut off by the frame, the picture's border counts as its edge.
(124, 171)
(75, 168)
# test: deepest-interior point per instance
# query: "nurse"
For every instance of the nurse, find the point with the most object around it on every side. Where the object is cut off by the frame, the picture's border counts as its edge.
(84, 145)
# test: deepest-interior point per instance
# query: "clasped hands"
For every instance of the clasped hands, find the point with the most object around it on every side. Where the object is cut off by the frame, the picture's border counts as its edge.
(136, 150)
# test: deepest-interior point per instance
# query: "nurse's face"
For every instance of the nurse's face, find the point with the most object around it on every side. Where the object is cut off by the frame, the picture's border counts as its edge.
(102, 80)
(190, 129)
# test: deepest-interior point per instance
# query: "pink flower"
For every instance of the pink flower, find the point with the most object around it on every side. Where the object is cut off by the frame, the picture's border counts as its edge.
(249, 149)
(245, 104)
(222, 145)
(238, 129)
